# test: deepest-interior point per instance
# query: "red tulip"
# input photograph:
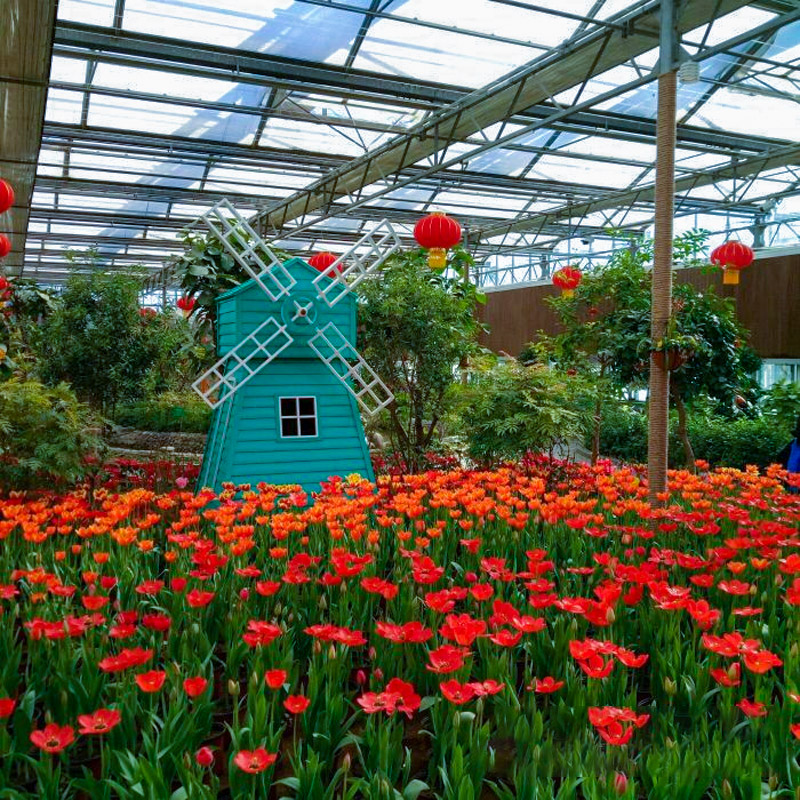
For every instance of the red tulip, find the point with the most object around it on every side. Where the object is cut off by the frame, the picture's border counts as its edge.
(204, 756)
(53, 738)
(151, 681)
(7, 705)
(195, 686)
(253, 761)
(275, 678)
(101, 721)
(296, 703)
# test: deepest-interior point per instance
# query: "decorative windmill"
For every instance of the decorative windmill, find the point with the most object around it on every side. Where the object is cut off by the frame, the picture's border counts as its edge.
(289, 382)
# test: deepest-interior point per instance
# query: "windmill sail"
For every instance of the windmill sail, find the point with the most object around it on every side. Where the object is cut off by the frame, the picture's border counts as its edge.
(248, 248)
(345, 362)
(364, 258)
(241, 363)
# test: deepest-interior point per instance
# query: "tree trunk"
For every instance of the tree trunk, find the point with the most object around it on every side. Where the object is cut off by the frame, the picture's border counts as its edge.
(658, 411)
(598, 418)
(683, 432)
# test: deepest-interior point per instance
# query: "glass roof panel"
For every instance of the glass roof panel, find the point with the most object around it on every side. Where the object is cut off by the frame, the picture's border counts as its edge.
(153, 117)
(168, 84)
(97, 12)
(280, 27)
(319, 138)
(64, 106)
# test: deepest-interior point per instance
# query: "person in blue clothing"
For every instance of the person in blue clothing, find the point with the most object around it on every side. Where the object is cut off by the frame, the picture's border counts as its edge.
(789, 457)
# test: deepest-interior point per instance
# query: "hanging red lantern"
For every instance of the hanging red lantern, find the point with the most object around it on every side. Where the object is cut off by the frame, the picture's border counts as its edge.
(186, 304)
(732, 257)
(437, 233)
(322, 261)
(5, 245)
(567, 279)
(6, 196)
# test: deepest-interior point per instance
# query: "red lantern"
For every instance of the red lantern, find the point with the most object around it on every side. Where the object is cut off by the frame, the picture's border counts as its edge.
(321, 262)
(437, 233)
(6, 196)
(5, 245)
(186, 304)
(732, 257)
(567, 279)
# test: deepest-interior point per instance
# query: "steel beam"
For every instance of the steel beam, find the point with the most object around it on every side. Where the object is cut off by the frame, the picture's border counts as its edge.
(782, 157)
(589, 55)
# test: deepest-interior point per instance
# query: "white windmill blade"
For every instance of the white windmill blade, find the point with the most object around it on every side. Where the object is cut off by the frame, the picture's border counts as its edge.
(344, 361)
(241, 363)
(273, 278)
(363, 258)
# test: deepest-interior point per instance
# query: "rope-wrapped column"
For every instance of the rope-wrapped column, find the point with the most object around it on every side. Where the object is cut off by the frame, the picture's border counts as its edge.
(658, 441)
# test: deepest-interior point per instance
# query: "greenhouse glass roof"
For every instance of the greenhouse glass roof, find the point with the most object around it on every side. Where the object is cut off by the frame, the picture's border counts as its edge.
(531, 124)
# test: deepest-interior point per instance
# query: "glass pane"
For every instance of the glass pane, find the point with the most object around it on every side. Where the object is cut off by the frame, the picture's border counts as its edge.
(308, 426)
(289, 427)
(307, 406)
(288, 406)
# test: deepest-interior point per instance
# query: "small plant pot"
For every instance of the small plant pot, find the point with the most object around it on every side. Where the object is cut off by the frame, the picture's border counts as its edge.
(670, 359)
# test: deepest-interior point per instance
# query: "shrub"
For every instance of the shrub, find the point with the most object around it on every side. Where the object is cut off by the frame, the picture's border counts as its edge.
(44, 435)
(720, 441)
(514, 409)
(781, 403)
(171, 411)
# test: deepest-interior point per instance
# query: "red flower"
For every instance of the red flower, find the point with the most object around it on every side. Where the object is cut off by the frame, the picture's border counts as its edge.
(385, 588)
(195, 686)
(398, 696)
(445, 659)
(795, 729)
(198, 598)
(296, 703)
(151, 681)
(150, 587)
(615, 725)
(728, 677)
(410, 632)
(481, 591)
(458, 693)
(462, 628)
(204, 756)
(267, 588)
(261, 633)
(53, 738)
(275, 678)
(546, 685)
(253, 761)
(487, 687)
(101, 721)
(752, 708)
(7, 705)
(127, 658)
(156, 622)
(761, 661)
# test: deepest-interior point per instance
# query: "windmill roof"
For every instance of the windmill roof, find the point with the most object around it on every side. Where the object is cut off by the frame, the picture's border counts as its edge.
(291, 264)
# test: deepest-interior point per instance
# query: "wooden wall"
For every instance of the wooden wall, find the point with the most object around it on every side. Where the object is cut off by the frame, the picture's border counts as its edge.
(767, 299)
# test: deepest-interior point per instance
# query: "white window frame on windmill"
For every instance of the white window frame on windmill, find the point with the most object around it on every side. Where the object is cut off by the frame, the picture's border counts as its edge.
(297, 417)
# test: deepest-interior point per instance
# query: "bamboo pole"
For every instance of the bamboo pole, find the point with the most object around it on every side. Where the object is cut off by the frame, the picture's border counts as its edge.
(658, 409)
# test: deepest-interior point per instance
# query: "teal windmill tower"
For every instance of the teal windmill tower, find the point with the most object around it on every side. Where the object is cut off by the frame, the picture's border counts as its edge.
(289, 385)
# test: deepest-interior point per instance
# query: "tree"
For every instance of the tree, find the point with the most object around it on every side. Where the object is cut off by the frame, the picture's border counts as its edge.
(415, 327)
(607, 331)
(100, 341)
(513, 409)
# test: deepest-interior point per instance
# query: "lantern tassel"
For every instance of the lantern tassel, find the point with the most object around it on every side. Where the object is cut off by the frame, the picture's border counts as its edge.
(437, 258)
(730, 276)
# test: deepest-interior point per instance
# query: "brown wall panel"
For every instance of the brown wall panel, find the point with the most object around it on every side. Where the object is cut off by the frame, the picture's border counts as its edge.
(767, 300)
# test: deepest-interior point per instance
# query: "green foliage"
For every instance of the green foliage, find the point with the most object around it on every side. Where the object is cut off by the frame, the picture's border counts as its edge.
(607, 330)
(106, 347)
(207, 270)
(720, 441)
(513, 409)
(415, 327)
(170, 411)
(25, 306)
(781, 404)
(44, 435)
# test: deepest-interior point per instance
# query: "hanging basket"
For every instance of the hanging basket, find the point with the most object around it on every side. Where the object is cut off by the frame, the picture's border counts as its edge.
(671, 359)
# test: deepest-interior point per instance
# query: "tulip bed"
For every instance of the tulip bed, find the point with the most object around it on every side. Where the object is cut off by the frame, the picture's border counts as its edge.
(530, 632)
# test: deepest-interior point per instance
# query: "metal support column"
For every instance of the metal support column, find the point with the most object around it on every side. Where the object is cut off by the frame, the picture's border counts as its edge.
(658, 410)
